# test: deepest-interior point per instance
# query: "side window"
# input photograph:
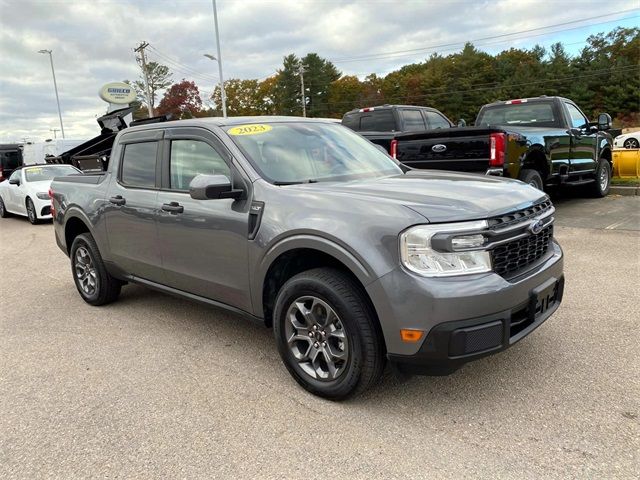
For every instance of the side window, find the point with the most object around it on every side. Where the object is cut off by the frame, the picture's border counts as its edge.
(413, 121)
(577, 118)
(15, 175)
(378, 121)
(436, 120)
(139, 164)
(192, 157)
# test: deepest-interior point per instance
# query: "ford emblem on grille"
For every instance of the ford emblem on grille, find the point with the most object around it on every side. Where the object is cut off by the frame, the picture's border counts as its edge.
(439, 148)
(536, 227)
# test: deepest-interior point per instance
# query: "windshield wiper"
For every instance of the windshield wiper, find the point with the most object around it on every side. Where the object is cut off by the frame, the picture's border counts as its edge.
(299, 182)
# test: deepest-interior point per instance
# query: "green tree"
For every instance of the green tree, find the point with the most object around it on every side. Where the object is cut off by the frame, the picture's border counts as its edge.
(319, 73)
(159, 78)
(287, 88)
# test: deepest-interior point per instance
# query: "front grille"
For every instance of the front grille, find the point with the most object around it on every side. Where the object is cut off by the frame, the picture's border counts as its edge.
(511, 257)
(519, 216)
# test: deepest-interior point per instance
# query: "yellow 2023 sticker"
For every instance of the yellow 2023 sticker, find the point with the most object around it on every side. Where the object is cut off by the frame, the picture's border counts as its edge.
(254, 129)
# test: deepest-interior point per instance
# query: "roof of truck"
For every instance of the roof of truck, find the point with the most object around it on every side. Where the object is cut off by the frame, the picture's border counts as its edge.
(229, 121)
(529, 99)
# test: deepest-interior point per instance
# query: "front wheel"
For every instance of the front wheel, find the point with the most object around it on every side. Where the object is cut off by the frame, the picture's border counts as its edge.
(3, 209)
(327, 334)
(94, 283)
(31, 212)
(600, 188)
(532, 177)
(631, 143)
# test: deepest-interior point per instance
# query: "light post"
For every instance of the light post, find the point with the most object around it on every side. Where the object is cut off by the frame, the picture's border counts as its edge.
(223, 95)
(55, 86)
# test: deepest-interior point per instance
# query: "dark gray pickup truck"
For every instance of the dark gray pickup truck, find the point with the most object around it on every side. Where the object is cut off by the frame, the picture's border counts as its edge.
(309, 228)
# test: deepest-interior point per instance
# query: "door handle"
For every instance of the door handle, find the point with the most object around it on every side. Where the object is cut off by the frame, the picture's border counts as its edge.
(173, 207)
(118, 200)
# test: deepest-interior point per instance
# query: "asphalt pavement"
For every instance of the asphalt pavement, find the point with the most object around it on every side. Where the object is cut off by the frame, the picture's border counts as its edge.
(157, 387)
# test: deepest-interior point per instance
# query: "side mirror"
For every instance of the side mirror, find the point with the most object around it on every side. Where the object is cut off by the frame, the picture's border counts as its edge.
(15, 181)
(462, 123)
(212, 187)
(604, 121)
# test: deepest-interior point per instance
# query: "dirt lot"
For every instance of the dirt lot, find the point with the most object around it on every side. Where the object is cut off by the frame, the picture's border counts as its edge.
(154, 386)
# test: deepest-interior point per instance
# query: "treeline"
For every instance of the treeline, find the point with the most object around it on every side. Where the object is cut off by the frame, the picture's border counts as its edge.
(604, 76)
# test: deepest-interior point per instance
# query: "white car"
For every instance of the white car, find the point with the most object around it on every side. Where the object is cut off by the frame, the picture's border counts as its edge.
(26, 191)
(628, 140)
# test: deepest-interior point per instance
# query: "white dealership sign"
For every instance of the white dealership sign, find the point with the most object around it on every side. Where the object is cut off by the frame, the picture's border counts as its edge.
(118, 93)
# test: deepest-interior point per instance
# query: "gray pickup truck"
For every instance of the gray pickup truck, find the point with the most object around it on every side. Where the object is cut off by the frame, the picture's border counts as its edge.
(306, 226)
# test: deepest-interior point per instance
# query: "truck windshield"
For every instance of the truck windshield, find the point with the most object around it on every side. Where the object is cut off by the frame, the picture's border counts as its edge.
(39, 174)
(538, 114)
(308, 152)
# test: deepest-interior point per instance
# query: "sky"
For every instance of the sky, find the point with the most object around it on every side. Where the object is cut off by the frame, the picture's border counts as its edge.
(93, 41)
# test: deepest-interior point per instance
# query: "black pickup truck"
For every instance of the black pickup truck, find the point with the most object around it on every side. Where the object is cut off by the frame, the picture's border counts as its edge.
(543, 141)
(381, 124)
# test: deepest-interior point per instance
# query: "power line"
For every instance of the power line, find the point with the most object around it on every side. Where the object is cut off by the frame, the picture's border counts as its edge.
(176, 65)
(391, 54)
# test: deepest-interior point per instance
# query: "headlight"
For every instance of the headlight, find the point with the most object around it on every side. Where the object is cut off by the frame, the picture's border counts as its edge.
(419, 256)
(42, 195)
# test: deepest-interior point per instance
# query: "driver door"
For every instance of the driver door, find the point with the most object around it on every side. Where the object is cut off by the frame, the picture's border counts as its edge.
(203, 243)
(584, 145)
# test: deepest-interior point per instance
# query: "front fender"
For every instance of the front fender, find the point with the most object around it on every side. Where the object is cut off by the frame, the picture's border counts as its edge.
(363, 272)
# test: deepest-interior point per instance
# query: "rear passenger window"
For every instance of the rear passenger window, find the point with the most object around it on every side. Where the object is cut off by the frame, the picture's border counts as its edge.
(139, 164)
(413, 121)
(192, 157)
(436, 120)
(378, 121)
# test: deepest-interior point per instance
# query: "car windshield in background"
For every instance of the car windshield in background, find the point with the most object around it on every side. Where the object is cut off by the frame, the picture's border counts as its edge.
(302, 152)
(538, 114)
(39, 174)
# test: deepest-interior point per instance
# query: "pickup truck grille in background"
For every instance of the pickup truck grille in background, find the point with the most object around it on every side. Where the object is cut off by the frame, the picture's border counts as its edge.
(511, 257)
(520, 215)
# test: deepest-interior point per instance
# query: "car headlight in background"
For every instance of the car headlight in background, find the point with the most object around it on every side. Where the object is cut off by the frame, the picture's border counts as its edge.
(43, 195)
(419, 256)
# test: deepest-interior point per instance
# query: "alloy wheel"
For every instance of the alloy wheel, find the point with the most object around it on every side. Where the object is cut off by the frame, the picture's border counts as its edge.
(631, 143)
(31, 212)
(317, 338)
(604, 178)
(85, 271)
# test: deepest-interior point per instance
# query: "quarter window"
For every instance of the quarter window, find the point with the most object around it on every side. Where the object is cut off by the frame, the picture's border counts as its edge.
(193, 157)
(413, 121)
(577, 118)
(139, 164)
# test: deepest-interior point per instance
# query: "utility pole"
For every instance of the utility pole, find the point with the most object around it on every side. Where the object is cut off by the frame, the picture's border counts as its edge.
(223, 95)
(304, 102)
(143, 60)
(54, 130)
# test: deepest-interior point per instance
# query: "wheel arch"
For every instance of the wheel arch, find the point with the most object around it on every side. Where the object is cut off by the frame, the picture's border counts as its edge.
(75, 224)
(536, 159)
(297, 254)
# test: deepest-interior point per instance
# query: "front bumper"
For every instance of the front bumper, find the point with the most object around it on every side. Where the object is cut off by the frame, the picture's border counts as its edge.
(463, 318)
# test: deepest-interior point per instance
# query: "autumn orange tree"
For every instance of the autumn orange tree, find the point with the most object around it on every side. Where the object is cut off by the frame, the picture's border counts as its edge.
(181, 100)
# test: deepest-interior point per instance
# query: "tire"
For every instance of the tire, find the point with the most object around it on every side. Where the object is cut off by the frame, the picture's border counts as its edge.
(600, 188)
(88, 271)
(532, 177)
(3, 210)
(353, 335)
(631, 143)
(32, 215)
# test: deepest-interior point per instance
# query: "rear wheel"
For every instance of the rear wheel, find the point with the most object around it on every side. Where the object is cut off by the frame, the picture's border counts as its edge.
(602, 185)
(327, 334)
(3, 210)
(31, 212)
(631, 143)
(532, 177)
(94, 283)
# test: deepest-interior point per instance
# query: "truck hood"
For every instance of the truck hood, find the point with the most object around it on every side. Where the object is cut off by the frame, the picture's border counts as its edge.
(441, 196)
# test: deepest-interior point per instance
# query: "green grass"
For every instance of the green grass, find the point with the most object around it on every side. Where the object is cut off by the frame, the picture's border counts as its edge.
(628, 182)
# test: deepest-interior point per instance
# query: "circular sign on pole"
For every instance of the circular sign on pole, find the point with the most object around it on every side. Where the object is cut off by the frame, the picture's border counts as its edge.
(117, 92)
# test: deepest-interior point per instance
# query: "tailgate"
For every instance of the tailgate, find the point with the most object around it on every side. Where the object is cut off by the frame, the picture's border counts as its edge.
(457, 149)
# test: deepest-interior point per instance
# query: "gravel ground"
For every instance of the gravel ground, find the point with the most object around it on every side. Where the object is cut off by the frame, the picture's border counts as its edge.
(158, 387)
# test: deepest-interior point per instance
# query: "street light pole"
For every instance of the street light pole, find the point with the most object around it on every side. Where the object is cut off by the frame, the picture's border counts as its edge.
(223, 95)
(55, 86)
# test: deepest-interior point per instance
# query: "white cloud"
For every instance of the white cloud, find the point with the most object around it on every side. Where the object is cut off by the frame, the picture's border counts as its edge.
(93, 43)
